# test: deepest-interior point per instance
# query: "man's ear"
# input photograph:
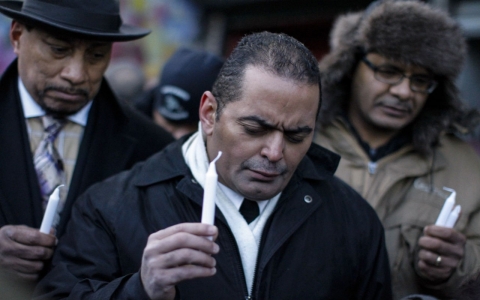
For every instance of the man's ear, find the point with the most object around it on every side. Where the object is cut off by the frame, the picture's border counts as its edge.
(208, 112)
(16, 30)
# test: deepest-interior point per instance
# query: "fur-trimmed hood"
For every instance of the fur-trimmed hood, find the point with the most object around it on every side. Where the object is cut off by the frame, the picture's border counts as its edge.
(407, 31)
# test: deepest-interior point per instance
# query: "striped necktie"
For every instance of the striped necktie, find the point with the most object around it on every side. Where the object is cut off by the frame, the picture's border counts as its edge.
(249, 210)
(47, 161)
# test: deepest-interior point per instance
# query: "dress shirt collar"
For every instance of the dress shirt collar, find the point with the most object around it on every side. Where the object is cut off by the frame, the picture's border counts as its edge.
(31, 109)
(237, 199)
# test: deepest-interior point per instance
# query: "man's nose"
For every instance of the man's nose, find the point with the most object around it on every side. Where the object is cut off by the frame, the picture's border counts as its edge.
(274, 146)
(402, 89)
(75, 70)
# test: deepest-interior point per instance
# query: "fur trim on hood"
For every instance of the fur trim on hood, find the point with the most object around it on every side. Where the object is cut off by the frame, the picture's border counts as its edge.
(410, 32)
(406, 31)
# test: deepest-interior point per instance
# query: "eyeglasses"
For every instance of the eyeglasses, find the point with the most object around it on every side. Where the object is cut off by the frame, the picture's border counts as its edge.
(418, 83)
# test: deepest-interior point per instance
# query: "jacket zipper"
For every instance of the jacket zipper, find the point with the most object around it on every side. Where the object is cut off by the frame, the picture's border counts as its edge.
(372, 167)
(260, 248)
(255, 268)
(249, 296)
(240, 267)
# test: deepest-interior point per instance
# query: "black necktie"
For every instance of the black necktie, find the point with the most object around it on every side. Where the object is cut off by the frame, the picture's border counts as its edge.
(249, 210)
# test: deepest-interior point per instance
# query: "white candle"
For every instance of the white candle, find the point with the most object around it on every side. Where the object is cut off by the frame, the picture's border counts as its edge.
(452, 218)
(209, 194)
(447, 208)
(50, 211)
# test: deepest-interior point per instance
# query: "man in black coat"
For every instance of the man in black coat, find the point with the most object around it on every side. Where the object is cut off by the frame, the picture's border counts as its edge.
(284, 226)
(63, 49)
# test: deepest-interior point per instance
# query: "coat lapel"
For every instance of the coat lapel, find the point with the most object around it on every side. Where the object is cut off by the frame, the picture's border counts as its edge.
(106, 148)
(20, 200)
(293, 209)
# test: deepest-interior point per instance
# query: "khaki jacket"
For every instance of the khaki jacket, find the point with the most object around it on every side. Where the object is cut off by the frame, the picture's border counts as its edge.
(406, 190)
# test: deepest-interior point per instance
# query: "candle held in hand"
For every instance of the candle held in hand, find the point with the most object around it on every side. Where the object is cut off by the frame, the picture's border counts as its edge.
(447, 208)
(50, 211)
(209, 194)
(453, 217)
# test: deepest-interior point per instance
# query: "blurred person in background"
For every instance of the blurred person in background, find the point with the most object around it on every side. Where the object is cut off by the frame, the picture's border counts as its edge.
(127, 80)
(393, 112)
(60, 123)
(174, 102)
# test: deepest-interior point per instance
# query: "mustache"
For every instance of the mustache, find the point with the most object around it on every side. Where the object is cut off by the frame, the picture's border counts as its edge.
(396, 103)
(264, 165)
(69, 90)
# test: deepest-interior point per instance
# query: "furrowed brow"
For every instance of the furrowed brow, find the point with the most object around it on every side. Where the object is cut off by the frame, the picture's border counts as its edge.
(266, 125)
(257, 120)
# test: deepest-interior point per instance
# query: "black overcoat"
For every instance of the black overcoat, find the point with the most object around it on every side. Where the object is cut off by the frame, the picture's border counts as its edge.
(115, 138)
(322, 241)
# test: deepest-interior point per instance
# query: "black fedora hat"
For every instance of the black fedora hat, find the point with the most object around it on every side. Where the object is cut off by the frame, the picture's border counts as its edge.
(97, 19)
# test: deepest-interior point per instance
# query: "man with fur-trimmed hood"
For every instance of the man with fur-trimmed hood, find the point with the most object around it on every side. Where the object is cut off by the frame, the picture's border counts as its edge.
(391, 109)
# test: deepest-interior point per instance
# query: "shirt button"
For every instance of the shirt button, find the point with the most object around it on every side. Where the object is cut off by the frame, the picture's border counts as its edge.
(308, 199)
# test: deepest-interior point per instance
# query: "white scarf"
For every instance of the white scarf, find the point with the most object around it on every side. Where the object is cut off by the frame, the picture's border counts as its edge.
(247, 236)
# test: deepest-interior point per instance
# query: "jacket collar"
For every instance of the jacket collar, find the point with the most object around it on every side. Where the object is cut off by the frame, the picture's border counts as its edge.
(18, 180)
(406, 160)
(165, 165)
(318, 164)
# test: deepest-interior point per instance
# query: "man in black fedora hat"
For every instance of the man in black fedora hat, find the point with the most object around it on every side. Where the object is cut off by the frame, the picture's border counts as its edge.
(59, 121)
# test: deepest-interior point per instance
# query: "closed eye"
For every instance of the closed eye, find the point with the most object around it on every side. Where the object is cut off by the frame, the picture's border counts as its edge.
(296, 137)
(257, 127)
(59, 50)
(254, 130)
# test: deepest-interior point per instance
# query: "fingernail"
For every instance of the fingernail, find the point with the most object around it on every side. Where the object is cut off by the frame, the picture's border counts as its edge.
(211, 230)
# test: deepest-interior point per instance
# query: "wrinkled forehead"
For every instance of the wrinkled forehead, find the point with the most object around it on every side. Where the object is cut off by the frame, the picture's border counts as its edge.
(276, 99)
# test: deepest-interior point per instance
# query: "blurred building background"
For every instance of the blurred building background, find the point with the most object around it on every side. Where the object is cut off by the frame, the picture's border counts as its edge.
(216, 25)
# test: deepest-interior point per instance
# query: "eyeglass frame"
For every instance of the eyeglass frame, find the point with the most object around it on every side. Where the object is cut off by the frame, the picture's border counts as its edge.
(375, 69)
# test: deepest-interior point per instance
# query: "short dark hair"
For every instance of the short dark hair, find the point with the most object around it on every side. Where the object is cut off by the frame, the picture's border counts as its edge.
(277, 53)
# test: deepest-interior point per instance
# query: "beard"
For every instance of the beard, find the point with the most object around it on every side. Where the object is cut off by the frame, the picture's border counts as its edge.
(61, 111)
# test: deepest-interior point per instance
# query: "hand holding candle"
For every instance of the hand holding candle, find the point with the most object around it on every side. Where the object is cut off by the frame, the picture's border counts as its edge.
(448, 215)
(50, 211)
(209, 194)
